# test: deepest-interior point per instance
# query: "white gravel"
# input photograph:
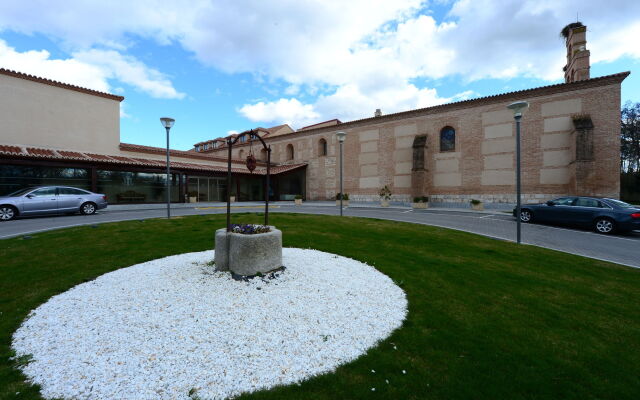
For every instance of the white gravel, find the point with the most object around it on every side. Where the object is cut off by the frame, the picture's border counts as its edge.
(170, 327)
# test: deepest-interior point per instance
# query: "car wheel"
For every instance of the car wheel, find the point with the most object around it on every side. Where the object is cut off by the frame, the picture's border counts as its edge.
(526, 215)
(605, 225)
(7, 213)
(88, 208)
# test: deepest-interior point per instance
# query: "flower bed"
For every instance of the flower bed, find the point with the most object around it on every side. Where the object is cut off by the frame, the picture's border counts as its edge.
(249, 229)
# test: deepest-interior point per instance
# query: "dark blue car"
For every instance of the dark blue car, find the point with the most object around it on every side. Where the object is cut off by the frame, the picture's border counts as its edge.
(602, 214)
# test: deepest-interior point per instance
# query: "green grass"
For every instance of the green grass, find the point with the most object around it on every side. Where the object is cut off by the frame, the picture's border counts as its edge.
(487, 319)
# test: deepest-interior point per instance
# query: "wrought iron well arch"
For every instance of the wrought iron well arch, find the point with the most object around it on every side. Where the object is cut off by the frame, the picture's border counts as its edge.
(230, 142)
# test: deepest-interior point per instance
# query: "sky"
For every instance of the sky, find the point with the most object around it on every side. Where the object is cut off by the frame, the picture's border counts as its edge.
(220, 66)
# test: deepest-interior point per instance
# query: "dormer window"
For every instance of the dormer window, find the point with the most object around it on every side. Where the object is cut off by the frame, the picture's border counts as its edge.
(197, 148)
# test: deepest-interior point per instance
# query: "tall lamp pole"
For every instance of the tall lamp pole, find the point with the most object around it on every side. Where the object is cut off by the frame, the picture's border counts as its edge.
(518, 107)
(168, 123)
(341, 136)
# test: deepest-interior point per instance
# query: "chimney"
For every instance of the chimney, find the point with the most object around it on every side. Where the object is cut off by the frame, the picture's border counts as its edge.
(378, 113)
(577, 68)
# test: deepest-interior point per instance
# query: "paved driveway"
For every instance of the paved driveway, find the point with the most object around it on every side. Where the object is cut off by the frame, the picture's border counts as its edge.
(622, 249)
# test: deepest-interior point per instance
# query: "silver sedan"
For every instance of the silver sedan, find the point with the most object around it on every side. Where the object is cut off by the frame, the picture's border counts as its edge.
(50, 200)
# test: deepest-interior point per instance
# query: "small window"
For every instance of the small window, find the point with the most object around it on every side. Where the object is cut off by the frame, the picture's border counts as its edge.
(206, 146)
(243, 139)
(215, 145)
(241, 154)
(71, 191)
(322, 147)
(564, 201)
(583, 202)
(290, 152)
(197, 148)
(45, 192)
(447, 139)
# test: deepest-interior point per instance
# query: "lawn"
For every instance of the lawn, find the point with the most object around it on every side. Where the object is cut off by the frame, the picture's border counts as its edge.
(487, 319)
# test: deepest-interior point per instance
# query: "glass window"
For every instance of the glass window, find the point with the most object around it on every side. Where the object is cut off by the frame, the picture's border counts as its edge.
(45, 192)
(136, 187)
(564, 201)
(17, 177)
(71, 191)
(447, 139)
(583, 202)
(323, 147)
(620, 204)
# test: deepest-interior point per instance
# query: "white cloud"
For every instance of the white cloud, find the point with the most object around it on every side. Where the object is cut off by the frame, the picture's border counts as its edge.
(91, 69)
(128, 70)
(352, 56)
(288, 111)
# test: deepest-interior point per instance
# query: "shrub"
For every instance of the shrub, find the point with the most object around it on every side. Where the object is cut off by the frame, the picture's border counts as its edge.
(385, 193)
(422, 199)
(298, 197)
(475, 202)
(344, 196)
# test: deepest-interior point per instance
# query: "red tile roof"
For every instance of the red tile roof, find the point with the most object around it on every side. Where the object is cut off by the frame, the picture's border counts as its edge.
(50, 82)
(138, 148)
(61, 155)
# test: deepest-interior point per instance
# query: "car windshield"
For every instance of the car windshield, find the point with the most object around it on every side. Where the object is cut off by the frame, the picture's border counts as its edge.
(20, 192)
(620, 204)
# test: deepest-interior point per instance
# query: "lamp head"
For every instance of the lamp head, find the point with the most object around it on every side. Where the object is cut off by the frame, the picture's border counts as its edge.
(341, 136)
(167, 122)
(518, 107)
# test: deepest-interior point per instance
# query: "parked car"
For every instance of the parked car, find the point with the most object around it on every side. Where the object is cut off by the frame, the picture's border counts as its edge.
(50, 200)
(602, 214)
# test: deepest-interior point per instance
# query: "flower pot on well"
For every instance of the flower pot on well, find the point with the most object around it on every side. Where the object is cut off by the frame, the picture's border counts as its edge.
(233, 199)
(298, 202)
(345, 203)
(193, 199)
(384, 203)
(420, 205)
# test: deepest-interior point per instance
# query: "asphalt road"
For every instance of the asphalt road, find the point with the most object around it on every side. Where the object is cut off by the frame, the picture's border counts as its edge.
(622, 249)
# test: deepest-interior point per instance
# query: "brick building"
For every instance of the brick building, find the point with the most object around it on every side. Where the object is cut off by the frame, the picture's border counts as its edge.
(463, 150)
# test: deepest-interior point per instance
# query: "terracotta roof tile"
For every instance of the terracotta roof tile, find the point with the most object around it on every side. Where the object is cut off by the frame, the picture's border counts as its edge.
(49, 154)
(50, 82)
(71, 154)
(99, 157)
(4, 149)
(40, 152)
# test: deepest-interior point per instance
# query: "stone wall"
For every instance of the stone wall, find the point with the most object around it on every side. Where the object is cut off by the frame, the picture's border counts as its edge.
(379, 151)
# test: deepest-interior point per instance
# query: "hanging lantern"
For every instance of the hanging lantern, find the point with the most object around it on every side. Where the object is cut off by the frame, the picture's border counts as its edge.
(251, 163)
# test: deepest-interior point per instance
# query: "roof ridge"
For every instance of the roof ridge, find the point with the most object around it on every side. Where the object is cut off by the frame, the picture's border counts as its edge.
(51, 82)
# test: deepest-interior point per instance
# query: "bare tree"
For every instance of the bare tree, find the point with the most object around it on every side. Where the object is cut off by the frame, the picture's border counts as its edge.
(630, 138)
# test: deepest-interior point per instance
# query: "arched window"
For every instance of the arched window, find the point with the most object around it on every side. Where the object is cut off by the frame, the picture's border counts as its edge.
(447, 139)
(241, 154)
(322, 147)
(289, 152)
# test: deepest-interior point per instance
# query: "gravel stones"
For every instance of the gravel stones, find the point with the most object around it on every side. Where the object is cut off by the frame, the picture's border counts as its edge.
(174, 326)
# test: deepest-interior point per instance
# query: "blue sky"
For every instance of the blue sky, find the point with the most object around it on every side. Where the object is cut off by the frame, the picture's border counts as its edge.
(221, 66)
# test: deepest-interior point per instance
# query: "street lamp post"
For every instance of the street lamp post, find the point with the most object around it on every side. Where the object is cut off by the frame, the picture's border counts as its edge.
(518, 107)
(168, 123)
(341, 136)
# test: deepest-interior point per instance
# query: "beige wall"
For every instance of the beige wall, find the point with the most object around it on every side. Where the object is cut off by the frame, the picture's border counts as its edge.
(40, 115)
(379, 152)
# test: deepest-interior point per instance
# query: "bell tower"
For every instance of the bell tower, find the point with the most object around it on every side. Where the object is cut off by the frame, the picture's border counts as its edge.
(577, 68)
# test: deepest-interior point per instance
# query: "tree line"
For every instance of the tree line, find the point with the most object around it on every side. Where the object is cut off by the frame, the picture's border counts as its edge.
(630, 138)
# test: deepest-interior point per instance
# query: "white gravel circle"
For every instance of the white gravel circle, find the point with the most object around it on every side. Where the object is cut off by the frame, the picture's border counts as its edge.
(172, 327)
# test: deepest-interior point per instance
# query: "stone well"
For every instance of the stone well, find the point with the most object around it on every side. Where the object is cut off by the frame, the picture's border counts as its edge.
(248, 255)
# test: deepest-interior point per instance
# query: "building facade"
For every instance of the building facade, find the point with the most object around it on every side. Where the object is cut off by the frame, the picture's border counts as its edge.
(54, 133)
(466, 150)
